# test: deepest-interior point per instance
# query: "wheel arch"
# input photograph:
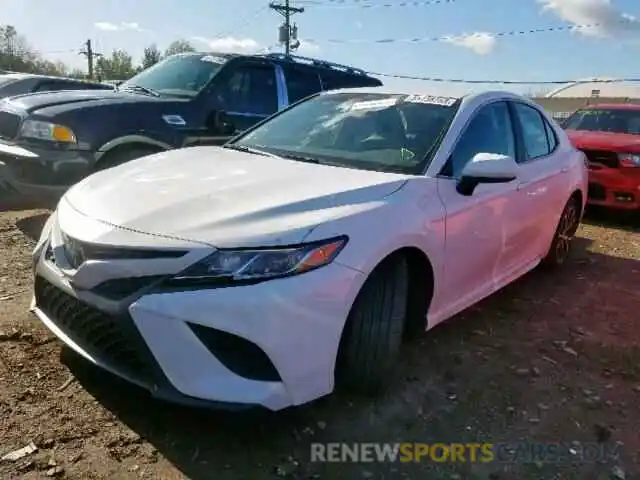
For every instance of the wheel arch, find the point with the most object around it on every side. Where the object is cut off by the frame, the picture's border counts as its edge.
(131, 141)
(422, 285)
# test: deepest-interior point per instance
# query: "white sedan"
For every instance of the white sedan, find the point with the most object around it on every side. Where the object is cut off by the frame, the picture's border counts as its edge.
(298, 256)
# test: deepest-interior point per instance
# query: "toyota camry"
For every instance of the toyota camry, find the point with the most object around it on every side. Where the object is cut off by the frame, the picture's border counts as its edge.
(297, 257)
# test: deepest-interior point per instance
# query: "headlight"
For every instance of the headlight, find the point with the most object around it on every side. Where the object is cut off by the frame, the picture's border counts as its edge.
(47, 131)
(629, 159)
(250, 265)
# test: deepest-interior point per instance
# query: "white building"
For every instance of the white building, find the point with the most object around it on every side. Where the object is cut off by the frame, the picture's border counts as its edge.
(606, 88)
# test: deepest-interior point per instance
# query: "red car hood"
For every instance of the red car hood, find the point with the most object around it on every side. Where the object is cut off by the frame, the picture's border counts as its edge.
(616, 142)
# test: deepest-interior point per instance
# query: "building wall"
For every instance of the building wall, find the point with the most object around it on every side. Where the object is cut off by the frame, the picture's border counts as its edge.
(562, 107)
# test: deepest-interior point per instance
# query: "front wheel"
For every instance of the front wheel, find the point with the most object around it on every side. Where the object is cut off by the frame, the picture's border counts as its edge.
(563, 237)
(374, 329)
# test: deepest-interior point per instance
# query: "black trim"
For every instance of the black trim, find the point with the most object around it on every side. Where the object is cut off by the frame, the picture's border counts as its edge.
(467, 185)
(239, 355)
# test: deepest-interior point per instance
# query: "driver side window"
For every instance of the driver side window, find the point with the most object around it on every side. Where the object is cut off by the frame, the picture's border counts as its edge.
(249, 89)
(489, 131)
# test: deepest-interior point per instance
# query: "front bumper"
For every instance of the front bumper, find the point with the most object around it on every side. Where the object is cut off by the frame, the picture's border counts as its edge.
(37, 171)
(615, 188)
(157, 341)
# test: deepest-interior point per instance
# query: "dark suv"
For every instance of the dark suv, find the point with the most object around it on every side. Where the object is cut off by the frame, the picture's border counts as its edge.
(50, 141)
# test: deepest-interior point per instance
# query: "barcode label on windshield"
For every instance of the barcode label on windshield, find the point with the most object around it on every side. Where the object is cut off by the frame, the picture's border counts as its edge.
(431, 100)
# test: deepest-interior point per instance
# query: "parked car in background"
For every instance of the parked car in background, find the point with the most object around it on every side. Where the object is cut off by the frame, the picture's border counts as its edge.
(609, 135)
(301, 253)
(12, 84)
(49, 142)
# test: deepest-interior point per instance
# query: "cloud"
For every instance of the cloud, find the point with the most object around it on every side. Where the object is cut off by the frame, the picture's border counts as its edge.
(118, 27)
(610, 21)
(247, 45)
(480, 42)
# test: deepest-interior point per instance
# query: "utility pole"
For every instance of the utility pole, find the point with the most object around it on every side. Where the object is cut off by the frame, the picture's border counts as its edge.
(287, 11)
(91, 56)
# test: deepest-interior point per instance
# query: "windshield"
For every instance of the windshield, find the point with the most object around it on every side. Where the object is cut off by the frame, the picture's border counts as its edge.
(383, 132)
(605, 120)
(179, 75)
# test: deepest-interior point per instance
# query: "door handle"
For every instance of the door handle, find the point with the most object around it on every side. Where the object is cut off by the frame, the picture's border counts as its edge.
(564, 170)
(522, 185)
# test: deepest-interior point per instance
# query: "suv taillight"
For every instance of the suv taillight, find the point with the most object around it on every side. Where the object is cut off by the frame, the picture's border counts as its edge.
(629, 159)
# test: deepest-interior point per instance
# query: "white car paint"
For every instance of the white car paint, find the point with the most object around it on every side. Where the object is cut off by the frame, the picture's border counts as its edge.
(476, 245)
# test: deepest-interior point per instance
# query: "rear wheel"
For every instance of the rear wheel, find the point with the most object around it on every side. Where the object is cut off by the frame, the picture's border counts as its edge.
(563, 238)
(374, 330)
(123, 155)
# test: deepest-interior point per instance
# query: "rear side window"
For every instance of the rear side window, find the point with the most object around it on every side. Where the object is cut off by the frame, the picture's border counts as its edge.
(534, 132)
(301, 83)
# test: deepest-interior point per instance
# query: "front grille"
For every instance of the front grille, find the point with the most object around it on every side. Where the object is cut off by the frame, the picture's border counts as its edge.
(603, 157)
(78, 252)
(9, 125)
(114, 341)
(597, 192)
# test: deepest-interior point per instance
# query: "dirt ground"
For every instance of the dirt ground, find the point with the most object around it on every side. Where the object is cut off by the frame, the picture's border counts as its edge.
(552, 358)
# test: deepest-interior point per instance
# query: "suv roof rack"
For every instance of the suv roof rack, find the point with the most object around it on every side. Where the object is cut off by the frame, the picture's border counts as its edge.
(316, 63)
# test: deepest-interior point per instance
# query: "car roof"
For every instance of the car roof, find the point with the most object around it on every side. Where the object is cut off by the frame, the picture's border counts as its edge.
(613, 106)
(289, 59)
(468, 97)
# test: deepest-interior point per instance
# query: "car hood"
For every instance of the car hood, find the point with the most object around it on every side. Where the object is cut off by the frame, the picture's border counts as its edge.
(617, 142)
(227, 198)
(32, 102)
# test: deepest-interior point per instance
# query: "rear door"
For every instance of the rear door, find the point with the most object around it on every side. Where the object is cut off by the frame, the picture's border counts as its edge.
(248, 92)
(542, 183)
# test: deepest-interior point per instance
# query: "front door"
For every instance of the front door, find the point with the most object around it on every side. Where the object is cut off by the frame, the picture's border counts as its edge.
(477, 235)
(247, 93)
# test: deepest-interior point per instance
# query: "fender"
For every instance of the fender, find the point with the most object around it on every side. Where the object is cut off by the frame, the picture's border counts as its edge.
(130, 139)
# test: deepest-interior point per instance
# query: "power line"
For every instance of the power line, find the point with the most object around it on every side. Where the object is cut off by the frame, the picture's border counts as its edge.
(361, 4)
(246, 22)
(502, 82)
(448, 38)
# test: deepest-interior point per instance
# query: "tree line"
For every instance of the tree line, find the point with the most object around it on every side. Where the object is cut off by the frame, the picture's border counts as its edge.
(16, 55)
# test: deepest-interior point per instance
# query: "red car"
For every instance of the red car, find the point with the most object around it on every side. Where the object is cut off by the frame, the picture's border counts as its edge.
(609, 135)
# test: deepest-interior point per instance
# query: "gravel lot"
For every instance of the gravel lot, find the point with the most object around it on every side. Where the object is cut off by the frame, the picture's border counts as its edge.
(550, 358)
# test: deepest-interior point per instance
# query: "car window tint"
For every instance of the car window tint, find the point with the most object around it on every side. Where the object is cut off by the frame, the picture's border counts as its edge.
(534, 133)
(490, 131)
(249, 89)
(301, 83)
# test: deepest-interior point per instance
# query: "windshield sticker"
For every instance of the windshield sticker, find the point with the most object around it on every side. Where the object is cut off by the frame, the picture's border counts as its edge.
(212, 59)
(374, 104)
(431, 100)
(406, 155)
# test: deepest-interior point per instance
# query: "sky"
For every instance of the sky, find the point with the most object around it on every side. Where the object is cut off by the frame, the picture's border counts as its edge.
(458, 39)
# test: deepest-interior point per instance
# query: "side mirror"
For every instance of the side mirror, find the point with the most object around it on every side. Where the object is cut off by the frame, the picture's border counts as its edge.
(486, 168)
(222, 124)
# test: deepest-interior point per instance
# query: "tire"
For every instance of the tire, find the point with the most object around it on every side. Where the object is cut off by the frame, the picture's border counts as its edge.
(123, 155)
(374, 330)
(563, 238)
